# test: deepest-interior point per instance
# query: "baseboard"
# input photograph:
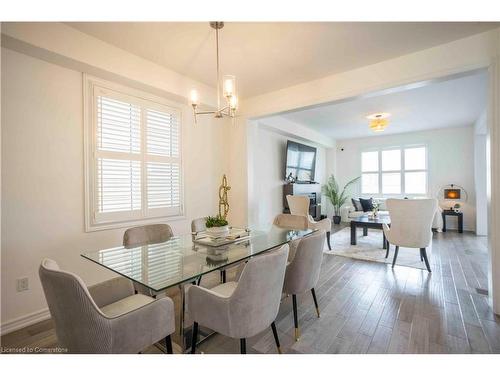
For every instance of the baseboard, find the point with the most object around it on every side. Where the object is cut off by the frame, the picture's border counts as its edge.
(24, 321)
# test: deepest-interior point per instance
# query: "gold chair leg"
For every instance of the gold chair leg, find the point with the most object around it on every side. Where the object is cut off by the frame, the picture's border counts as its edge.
(315, 301)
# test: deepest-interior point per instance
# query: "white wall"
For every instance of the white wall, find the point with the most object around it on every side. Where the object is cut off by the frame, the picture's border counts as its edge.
(43, 179)
(481, 174)
(268, 163)
(450, 158)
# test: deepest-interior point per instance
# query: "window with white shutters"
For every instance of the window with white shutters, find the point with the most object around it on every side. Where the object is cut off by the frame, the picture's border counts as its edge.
(134, 165)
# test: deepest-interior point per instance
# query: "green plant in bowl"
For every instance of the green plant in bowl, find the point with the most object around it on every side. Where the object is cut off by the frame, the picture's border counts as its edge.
(215, 221)
(217, 226)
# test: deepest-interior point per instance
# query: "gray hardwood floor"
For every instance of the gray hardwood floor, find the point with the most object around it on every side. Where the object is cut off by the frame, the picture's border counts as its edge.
(369, 307)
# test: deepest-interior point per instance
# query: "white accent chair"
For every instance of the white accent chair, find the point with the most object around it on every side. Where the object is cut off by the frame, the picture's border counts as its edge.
(105, 318)
(245, 308)
(302, 273)
(299, 205)
(411, 225)
(349, 212)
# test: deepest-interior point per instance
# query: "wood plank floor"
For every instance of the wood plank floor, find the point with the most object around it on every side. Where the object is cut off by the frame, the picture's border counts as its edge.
(369, 307)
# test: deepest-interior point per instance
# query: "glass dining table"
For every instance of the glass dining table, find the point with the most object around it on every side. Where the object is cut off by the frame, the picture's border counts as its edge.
(182, 261)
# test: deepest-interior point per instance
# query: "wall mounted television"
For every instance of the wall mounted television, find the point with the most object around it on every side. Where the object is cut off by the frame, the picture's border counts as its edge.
(300, 162)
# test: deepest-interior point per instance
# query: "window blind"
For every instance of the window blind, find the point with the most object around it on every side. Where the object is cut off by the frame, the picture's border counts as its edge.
(137, 163)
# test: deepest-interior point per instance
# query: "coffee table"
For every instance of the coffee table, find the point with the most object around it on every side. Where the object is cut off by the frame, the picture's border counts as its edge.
(366, 222)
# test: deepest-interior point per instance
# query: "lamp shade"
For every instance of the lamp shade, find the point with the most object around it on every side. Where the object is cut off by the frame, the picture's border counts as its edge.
(452, 194)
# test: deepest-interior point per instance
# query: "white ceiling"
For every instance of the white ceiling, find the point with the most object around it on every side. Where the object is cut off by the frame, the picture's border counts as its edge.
(269, 56)
(452, 103)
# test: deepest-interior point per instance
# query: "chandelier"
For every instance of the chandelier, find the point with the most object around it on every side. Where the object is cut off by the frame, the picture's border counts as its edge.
(378, 121)
(229, 87)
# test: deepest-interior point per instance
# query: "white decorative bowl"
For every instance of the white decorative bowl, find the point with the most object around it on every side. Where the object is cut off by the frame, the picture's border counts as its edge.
(216, 232)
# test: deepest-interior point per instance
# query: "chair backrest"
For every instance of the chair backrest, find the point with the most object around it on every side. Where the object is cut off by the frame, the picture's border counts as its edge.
(147, 234)
(299, 204)
(411, 221)
(80, 325)
(256, 300)
(199, 225)
(288, 221)
(303, 272)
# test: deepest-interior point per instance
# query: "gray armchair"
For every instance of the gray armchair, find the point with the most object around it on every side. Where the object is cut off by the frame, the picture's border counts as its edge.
(106, 318)
(302, 273)
(245, 308)
(145, 235)
(199, 226)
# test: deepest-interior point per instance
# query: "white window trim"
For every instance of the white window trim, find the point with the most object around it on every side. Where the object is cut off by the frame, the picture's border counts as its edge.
(401, 171)
(90, 83)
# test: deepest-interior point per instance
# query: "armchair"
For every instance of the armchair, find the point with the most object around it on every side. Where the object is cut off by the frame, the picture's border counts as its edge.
(411, 225)
(106, 318)
(299, 205)
(245, 308)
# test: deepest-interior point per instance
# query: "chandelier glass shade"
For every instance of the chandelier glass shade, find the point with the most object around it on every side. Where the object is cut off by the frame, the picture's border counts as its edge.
(378, 121)
(228, 88)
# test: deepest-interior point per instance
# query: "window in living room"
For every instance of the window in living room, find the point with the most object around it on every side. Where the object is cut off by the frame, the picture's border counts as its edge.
(394, 171)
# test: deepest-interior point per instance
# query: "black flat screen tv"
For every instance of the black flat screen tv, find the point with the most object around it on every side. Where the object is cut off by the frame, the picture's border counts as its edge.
(300, 162)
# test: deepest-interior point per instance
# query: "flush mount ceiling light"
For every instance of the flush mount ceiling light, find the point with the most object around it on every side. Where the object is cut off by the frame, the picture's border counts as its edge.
(378, 121)
(229, 87)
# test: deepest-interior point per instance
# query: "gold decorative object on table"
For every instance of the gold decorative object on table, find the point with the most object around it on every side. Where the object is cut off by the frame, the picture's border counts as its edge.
(223, 200)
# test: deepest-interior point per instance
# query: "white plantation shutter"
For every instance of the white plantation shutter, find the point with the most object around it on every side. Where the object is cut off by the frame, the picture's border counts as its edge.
(163, 165)
(135, 158)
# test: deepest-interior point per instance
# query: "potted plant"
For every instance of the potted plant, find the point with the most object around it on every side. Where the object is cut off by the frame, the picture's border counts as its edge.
(336, 197)
(217, 226)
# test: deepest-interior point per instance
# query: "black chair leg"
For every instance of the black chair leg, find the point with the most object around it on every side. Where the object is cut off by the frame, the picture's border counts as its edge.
(388, 248)
(222, 276)
(168, 344)
(395, 256)
(315, 301)
(194, 339)
(276, 339)
(421, 256)
(295, 317)
(424, 255)
(328, 240)
(243, 346)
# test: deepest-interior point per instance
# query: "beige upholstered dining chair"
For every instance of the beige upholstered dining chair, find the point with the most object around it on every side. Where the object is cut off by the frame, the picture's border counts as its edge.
(147, 234)
(198, 225)
(299, 205)
(302, 273)
(245, 308)
(107, 317)
(411, 225)
(291, 222)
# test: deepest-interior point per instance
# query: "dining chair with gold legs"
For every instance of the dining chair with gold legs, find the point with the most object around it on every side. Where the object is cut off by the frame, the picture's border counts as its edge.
(302, 273)
(244, 308)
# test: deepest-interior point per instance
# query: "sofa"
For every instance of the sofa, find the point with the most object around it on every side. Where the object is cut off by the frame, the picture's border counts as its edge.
(349, 212)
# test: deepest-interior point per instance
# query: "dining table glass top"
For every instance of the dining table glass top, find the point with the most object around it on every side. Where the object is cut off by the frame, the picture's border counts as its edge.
(178, 260)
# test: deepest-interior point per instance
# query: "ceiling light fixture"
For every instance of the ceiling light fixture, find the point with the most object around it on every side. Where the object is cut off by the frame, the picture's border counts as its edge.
(228, 89)
(378, 121)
